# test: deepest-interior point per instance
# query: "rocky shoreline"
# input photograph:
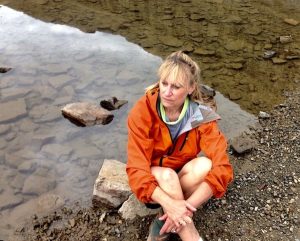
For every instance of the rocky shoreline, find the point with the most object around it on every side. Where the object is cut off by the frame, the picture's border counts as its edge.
(261, 204)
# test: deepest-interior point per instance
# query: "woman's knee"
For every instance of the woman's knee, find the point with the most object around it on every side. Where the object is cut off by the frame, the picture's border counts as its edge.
(201, 166)
(164, 174)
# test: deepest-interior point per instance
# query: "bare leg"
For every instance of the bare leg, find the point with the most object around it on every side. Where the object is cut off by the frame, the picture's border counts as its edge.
(188, 180)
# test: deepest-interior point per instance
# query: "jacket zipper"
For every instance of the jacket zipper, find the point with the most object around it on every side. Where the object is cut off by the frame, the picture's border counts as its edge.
(184, 141)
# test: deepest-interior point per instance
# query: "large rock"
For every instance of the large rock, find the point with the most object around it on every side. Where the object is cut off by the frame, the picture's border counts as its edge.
(87, 114)
(134, 208)
(111, 188)
(12, 110)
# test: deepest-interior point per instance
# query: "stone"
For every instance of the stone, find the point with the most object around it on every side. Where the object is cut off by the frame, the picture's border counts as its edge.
(236, 66)
(112, 103)
(234, 45)
(8, 199)
(44, 113)
(205, 52)
(88, 114)
(263, 115)
(4, 129)
(242, 144)
(49, 201)
(127, 77)
(291, 21)
(171, 41)
(277, 60)
(111, 187)
(57, 82)
(285, 39)
(45, 184)
(12, 110)
(17, 182)
(55, 69)
(133, 208)
(57, 151)
(235, 96)
(27, 167)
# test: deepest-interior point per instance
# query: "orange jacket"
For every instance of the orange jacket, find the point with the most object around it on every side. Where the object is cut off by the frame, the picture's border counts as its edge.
(150, 144)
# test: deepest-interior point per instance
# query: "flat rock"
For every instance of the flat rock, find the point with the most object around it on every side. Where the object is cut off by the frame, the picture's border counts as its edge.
(37, 185)
(111, 187)
(277, 60)
(171, 41)
(87, 114)
(291, 21)
(242, 144)
(205, 52)
(8, 199)
(57, 151)
(59, 81)
(44, 113)
(134, 208)
(12, 110)
(4, 129)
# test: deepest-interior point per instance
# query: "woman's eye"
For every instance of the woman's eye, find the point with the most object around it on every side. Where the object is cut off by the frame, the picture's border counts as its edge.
(176, 87)
(164, 83)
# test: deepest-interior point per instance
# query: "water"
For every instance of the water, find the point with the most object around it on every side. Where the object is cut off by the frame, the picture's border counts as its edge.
(52, 65)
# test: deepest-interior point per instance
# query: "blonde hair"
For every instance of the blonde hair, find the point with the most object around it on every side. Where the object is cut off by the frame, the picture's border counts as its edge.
(179, 67)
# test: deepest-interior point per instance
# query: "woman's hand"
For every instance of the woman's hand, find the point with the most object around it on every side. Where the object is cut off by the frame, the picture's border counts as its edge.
(177, 215)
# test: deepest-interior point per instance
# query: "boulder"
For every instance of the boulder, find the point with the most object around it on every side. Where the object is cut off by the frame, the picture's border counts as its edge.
(242, 144)
(134, 208)
(111, 187)
(87, 114)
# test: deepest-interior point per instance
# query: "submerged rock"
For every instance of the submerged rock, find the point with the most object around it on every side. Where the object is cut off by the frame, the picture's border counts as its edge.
(12, 110)
(87, 114)
(291, 21)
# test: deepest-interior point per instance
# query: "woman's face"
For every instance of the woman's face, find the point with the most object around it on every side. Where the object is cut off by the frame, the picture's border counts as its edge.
(172, 94)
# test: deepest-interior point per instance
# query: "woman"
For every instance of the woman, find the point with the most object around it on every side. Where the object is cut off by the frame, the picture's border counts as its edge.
(167, 129)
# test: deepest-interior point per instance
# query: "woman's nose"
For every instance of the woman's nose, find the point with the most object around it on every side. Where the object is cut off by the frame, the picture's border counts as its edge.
(168, 91)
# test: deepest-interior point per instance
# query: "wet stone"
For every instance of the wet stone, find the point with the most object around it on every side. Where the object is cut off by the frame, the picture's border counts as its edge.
(171, 41)
(57, 151)
(4, 129)
(88, 114)
(234, 45)
(291, 21)
(56, 68)
(44, 113)
(8, 199)
(277, 60)
(14, 93)
(10, 136)
(59, 81)
(204, 52)
(45, 184)
(127, 77)
(235, 96)
(12, 110)
(27, 167)
(17, 182)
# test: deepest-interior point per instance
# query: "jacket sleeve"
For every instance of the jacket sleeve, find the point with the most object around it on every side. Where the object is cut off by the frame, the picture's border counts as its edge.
(214, 145)
(139, 151)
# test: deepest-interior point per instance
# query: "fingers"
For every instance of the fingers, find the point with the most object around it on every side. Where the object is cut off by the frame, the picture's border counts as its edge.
(190, 207)
(167, 227)
(163, 217)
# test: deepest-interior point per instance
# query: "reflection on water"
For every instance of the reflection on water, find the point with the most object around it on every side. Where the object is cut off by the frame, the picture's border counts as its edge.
(52, 65)
(226, 37)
